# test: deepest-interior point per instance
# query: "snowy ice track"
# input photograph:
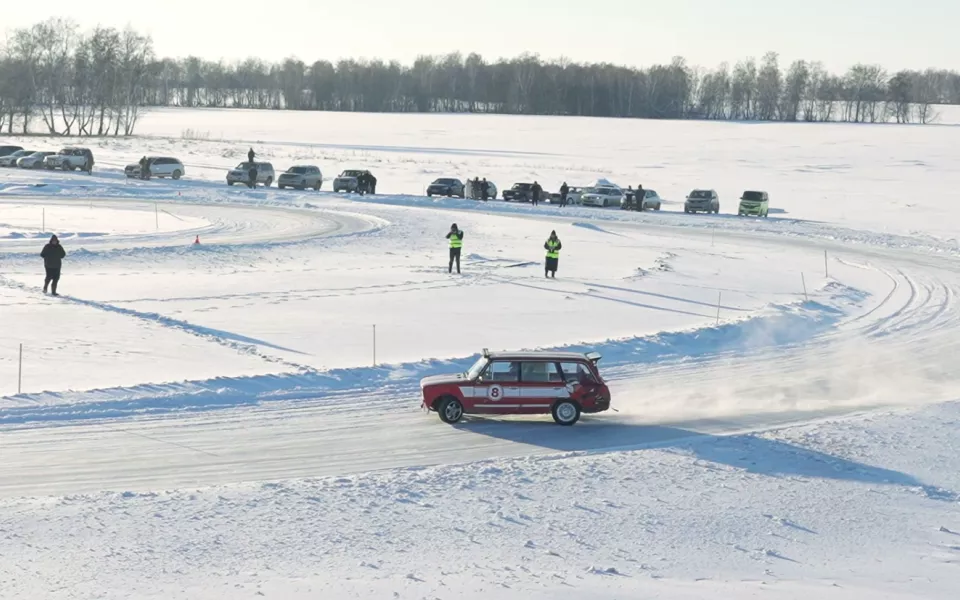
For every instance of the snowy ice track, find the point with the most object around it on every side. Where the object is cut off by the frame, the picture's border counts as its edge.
(227, 224)
(911, 332)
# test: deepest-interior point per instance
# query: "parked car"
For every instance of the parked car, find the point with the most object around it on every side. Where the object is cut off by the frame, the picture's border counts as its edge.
(8, 150)
(473, 191)
(519, 192)
(564, 384)
(33, 161)
(446, 186)
(348, 181)
(702, 201)
(651, 200)
(160, 166)
(602, 197)
(754, 203)
(301, 177)
(573, 196)
(241, 174)
(10, 160)
(70, 159)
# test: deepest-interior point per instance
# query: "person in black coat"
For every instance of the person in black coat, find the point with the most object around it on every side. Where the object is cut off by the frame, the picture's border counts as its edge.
(53, 255)
(535, 192)
(251, 155)
(253, 176)
(564, 190)
(638, 196)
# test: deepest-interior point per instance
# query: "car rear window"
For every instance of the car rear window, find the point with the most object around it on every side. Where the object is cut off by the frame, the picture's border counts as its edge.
(577, 372)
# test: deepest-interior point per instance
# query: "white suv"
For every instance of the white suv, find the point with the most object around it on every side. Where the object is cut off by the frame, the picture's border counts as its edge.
(160, 166)
(70, 159)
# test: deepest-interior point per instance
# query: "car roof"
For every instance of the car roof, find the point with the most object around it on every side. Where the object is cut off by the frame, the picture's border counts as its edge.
(536, 356)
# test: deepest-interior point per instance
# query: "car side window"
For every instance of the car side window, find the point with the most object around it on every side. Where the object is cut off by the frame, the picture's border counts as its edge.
(539, 372)
(502, 372)
(576, 372)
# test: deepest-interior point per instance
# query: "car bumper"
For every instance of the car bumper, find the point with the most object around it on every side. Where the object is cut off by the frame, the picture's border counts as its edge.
(292, 182)
(698, 207)
(750, 210)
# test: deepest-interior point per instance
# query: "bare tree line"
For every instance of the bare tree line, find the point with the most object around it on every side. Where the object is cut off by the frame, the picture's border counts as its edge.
(97, 83)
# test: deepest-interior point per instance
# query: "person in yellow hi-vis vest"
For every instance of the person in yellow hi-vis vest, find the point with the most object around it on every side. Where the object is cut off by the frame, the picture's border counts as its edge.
(456, 244)
(552, 246)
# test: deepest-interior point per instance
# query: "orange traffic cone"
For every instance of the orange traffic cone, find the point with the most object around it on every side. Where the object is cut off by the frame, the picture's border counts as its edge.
(197, 241)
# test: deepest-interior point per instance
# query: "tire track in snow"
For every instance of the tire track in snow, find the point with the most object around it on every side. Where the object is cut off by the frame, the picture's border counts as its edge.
(234, 341)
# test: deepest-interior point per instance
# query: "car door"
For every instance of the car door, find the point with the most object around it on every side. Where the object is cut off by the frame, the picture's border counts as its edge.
(541, 384)
(498, 389)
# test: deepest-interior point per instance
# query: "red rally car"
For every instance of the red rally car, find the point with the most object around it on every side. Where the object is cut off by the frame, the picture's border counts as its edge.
(564, 384)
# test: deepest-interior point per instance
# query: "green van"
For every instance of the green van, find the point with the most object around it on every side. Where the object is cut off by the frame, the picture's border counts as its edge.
(755, 204)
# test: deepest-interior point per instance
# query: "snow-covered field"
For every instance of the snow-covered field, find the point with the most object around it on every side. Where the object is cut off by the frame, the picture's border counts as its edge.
(240, 417)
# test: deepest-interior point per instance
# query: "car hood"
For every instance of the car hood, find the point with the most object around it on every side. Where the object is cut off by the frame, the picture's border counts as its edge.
(282, 175)
(442, 379)
(345, 177)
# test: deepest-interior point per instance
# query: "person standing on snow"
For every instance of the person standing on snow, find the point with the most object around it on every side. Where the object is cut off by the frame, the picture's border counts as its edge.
(535, 192)
(552, 246)
(485, 190)
(253, 176)
(564, 190)
(456, 245)
(53, 255)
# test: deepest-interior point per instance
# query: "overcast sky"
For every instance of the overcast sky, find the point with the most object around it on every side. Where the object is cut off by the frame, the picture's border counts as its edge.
(895, 33)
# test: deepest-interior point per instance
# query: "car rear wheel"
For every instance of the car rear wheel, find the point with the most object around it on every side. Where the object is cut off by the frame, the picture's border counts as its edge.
(229, 183)
(450, 410)
(66, 167)
(317, 186)
(177, 174)
(566, 412)
(268, 182)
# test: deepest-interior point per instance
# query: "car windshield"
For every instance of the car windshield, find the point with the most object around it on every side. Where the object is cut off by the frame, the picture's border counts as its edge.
(245, 165)
(606, 191)
(66, 152)
(297, 170)
(753, 196)
(477, 368)
(699, 194)
(522, 186)
(41, 153)
(445, 181)
(351, 173)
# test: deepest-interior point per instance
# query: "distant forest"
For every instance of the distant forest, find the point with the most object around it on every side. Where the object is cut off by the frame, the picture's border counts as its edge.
(70, 82)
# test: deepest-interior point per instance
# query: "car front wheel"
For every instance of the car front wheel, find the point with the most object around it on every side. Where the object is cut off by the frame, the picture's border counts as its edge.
(450, 410)
(177, 174)
(268, 182)
(566, 412)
